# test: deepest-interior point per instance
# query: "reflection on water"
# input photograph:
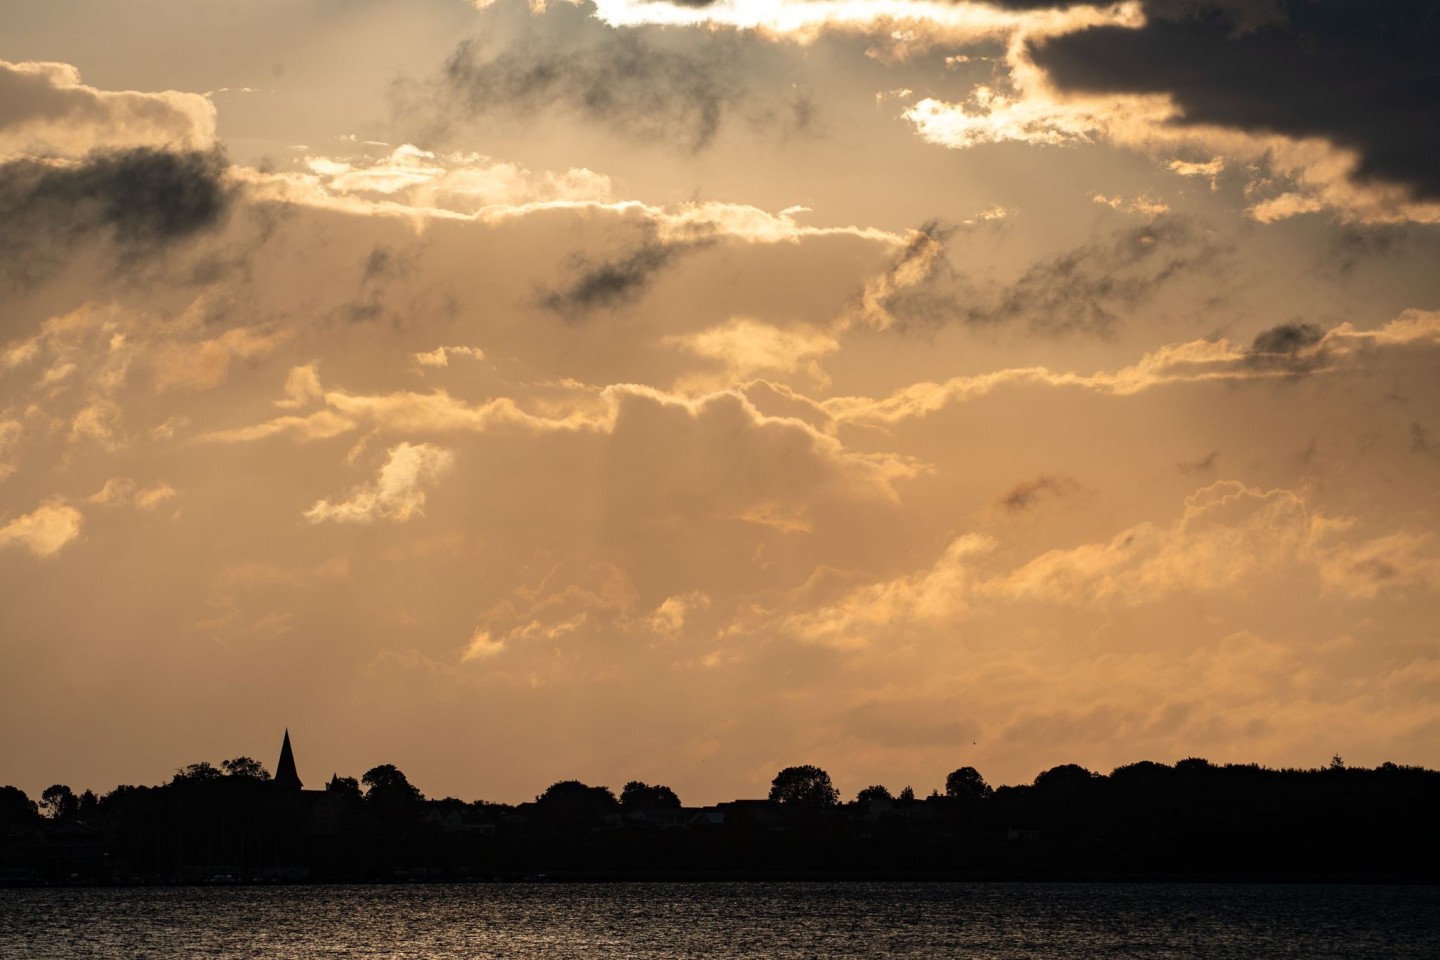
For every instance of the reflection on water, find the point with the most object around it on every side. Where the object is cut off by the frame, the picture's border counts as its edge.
(662, 921)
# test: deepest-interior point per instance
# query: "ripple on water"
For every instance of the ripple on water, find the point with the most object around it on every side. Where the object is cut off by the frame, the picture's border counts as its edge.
(776, 921)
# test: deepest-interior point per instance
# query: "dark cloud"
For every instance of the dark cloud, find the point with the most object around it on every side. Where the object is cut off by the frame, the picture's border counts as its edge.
(1287, 346)
(1025, 495)
(1352, 245)
(932, 301)
(1204, 465)
(1082, 291)
(1421, 442)
(616, 281)
(143, 199)
(638, 82)
(1364, 75)
(1287, 339)
(380, 262)
(383, 264)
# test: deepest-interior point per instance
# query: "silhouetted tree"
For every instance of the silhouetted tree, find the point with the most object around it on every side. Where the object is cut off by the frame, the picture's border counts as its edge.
(1144, 771)
(15, 806)
(804, 786)
(1065, 778)
(58, 802)
(567, 791)
(573, 808)
(873, 792)
(89, 804)
(347, 787)
(196, 773)
(386, 785)
(643, 796)
(967, 784)
(907, 794)
(245, 767)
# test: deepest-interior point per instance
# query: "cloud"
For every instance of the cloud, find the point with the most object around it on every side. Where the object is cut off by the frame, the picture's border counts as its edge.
(1081, 291)
(302, 387)
(635, 82)
(1226, 533)
(1205, 464)
(746, 347)
(1396, 561)
(398, 493)
(440, 356)
(720, 455)
(482, 646)
(1293, 346)
(918, 283)
(988, 116)
(734, 449)
(1022, 496)
(152, 497)
(936, 595)
(142, 199)
(117, 490)
(439, 412)
(122, 491)
(1358, 75)
(460, 182)
(45, 530)
(1281, 354)
(687, 223)
(204, 364)
(1229, 538)
(97, 422)
(1282, 91)
(614, 281)
(320, 425)
(908, 25)
(10, 433)
(46, 110)
(669, 618)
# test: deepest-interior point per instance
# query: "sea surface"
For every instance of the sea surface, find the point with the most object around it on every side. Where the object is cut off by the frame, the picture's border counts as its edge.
(662, 921)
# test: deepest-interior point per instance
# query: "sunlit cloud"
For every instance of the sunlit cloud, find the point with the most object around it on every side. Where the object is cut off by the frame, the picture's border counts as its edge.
(398, 493)
(937, 595)
(911, 21)
(1227, 538)
(302, 387)
(461, 183)
(49, 111)
(1195, 362)
(440, 356)
(746, 347)
(684, 222)
(44, 531)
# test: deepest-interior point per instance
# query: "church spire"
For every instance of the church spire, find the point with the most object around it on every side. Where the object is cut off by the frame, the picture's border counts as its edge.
(285, 774)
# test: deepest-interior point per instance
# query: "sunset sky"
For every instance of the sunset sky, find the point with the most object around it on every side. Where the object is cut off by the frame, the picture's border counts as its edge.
(677, 391)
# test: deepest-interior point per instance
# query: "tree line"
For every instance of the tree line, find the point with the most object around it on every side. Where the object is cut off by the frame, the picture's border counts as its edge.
(231, 821)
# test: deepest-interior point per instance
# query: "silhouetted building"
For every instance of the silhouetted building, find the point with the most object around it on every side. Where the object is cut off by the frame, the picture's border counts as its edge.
(286, 776)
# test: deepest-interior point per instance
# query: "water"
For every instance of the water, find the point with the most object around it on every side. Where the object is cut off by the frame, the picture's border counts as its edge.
(775, 921)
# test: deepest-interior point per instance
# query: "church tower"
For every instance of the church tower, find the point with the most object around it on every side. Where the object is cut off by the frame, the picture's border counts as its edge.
(285, 776)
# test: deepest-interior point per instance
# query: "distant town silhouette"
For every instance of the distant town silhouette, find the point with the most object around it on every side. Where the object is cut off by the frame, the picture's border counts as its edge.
(236, 823)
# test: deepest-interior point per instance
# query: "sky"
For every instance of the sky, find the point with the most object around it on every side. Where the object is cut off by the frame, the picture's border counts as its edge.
(677, 390)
